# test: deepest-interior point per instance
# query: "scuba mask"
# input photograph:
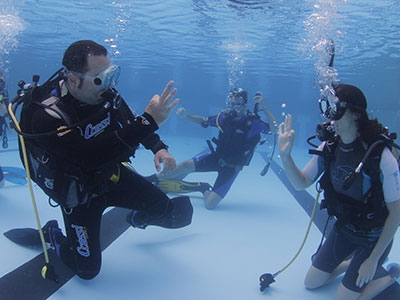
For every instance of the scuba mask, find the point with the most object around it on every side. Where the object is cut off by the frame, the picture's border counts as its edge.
(236, 100)
(235, 104)
(330, 105)
(337, 100)
(332, 111)
(106, 79)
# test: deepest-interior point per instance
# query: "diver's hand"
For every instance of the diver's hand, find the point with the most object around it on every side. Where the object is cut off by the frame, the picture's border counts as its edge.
(366, 271)
(286, 137)
(164, 157)
(160, 106)
(181, 112)
(258, 98)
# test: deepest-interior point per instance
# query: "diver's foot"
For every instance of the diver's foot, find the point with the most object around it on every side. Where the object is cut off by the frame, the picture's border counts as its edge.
(205, 187)
(394, 271)
(53, 235)
(137, 219)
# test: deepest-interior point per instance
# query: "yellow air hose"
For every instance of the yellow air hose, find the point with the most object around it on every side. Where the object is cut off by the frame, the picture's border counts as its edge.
(268, 278)
(28, 174)
(306, 235)
(217, 119)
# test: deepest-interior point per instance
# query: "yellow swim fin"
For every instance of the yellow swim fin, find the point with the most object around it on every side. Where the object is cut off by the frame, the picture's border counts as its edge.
(182, 187)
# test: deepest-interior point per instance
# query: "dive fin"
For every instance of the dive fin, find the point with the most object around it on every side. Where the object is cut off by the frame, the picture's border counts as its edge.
(15, 171)
(26, 237)
(14, 175)
(15, 179)
(180, 186)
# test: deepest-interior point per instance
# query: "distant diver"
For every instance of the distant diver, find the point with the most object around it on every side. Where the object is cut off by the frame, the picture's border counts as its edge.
(239, 134)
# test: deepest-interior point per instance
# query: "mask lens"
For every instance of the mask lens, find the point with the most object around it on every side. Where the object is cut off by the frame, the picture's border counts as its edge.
(2, 84)
(338, 112)
(330, 105)
(97, 81)
(232, 101)
(324, 107)
(108, 78)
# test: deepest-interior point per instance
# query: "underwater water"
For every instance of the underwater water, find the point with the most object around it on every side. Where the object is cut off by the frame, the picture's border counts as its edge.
(207, 47)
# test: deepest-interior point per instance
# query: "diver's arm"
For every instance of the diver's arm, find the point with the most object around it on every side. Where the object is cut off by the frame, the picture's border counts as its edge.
(390, 185)
(285, 143)
(270, 117)
(296, 176)
(94, 151)
(193, 118)
(368, 267)
(271, 120)
(389, 229)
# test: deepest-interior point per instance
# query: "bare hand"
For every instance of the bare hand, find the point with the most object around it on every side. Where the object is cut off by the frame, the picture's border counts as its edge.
(259, 98)
(286, 137)
(366, 272)
(160, 106)
(181, 112)
(163, 157)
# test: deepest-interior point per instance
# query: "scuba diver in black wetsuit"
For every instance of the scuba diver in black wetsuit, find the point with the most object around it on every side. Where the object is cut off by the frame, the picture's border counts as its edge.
(363, 197)
(81, 166)
(239, 133)
(4, 117)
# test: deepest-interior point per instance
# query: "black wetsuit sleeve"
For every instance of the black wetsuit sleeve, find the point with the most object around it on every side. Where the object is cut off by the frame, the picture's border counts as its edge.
(139, 131)
(91, 151)
(148, 139)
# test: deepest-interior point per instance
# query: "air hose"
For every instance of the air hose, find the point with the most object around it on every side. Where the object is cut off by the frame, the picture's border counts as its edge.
(267, 279)
(47, 271)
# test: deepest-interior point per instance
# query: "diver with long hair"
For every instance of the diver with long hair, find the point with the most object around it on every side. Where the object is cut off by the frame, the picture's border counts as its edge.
(365, 203)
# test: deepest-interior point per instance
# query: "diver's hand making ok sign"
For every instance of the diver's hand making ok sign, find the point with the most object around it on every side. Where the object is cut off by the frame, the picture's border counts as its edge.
(160, 106)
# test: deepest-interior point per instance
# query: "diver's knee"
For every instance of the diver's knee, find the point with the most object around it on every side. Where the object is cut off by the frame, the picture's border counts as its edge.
(187, 165)
(211, 200)
(88, 274)
(310, 285)
(183, 211)
(210, 205)
(315, 278)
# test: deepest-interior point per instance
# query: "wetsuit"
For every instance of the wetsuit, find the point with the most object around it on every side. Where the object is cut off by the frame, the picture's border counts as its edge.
(234, 147)
(345, 240)
(92, 152)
